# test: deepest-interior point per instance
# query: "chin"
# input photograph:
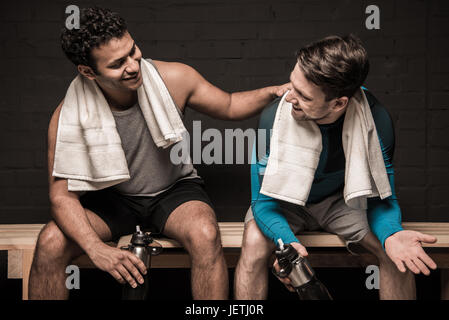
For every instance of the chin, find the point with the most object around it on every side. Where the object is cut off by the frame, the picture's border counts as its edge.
(298, 116)
(135, 86)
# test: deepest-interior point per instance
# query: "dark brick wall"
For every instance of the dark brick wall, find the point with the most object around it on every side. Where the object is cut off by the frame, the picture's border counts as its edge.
(237, 45)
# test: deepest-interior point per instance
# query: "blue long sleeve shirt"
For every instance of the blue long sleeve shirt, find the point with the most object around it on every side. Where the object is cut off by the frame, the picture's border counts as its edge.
(384, 216)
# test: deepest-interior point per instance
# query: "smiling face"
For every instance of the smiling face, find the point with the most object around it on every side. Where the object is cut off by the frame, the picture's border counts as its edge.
(117, 65)
(309, 101)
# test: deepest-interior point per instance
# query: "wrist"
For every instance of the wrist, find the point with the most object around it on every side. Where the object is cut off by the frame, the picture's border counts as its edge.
(273, 91)
(93, 246)
(391, 238)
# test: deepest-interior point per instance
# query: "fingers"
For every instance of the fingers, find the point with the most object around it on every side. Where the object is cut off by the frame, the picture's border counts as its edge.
(416, 264)
(282, 89)
(290, 288)
(427, 260)
(133, 270)
(117, 277)
(302, 251)
(421, 266)
(125, 270)
(138, 263)
(276, 266)
(412, 267)
(300, 248)
(286, 281)
(400, 265)
(426, 238)
(125, 274)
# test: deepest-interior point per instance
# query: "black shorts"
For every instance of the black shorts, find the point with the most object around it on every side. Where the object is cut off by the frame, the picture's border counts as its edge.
(122, 213)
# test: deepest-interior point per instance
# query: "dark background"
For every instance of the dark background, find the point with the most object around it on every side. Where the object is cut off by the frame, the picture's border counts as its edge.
(236, 45)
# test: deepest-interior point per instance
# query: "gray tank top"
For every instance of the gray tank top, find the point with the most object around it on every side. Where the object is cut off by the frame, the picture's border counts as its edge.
(150, 167)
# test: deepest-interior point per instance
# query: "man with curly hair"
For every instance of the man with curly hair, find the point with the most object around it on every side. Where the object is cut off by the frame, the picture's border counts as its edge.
(163, 197)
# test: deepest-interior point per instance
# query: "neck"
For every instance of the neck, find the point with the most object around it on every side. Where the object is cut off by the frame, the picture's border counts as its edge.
(331, 118)
(119, 100)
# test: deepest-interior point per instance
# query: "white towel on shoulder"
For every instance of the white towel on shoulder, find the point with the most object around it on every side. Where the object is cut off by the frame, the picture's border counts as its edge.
(295, 150)
(88, 150)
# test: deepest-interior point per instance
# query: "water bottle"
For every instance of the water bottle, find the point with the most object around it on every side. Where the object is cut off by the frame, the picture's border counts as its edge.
(140, 246)
(300, 273)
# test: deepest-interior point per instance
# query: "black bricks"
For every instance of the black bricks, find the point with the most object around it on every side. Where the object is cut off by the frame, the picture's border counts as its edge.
(237, 45)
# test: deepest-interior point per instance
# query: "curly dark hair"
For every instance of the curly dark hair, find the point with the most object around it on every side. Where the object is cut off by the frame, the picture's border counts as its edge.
(97, 26)
(338, 65)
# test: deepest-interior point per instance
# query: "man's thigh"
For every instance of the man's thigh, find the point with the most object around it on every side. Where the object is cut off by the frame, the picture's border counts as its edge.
(99, 225)
(60, 240)
(334, 216)
(114, 215)
(188, 218)
(184, 210)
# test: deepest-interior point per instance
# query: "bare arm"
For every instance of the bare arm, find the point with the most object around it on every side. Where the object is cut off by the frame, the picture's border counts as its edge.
(72, 219)
(66, 208)
(213, 101)
(189, 88)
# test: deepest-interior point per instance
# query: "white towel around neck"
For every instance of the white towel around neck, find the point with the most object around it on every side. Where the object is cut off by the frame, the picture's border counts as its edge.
(295, 150)
(88, 150)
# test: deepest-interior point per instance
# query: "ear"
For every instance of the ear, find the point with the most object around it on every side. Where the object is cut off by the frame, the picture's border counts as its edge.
(340, 103)
(87, 72)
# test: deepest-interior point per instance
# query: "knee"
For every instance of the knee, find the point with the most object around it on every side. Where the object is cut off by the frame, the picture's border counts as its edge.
(52, 246)
(256, 248)
(205, 238)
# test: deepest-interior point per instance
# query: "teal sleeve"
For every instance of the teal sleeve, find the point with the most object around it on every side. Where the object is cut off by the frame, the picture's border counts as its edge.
(266, 210)
(384, 216)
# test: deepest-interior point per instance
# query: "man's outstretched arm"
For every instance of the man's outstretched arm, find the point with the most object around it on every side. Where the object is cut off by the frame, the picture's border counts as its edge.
(402, 246)
(206, 98)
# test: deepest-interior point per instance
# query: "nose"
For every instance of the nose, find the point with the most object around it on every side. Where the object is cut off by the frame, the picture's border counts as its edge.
(291, 98)
(132, 67)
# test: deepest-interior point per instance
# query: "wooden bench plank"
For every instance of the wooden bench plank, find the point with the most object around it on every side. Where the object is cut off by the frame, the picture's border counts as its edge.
(16, 237)
(20, 241)
(27, 259)
(15, 264)
(19, 236)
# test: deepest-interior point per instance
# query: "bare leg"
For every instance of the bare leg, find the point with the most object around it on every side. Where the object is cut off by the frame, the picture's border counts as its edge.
(53, 253)
(251, 273)
(394, 285)
(195, 226)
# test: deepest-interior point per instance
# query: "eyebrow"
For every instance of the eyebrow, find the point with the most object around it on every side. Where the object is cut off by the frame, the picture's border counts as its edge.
(299, 91)
(124, 57)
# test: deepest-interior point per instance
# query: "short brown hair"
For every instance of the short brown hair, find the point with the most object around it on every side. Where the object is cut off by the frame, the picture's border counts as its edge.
(338, 65)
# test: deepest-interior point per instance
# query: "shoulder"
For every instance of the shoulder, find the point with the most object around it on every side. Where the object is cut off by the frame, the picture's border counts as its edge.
(55, 118)
(268, 114)
(383, 121)
(266, 123)
(379, 111)
(175, 71)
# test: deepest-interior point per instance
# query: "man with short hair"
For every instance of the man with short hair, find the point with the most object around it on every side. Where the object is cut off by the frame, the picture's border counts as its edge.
(160, 196)
(326, 76)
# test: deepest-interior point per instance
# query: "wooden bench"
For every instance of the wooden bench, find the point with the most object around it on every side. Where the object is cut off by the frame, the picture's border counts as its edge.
(20, 239)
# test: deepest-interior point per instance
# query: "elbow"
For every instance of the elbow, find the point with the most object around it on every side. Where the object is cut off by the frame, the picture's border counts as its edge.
(58, 201)
(232, 111)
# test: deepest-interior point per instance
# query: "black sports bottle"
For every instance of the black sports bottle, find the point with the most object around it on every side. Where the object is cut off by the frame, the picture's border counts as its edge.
(300, 273)
(140, 246)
